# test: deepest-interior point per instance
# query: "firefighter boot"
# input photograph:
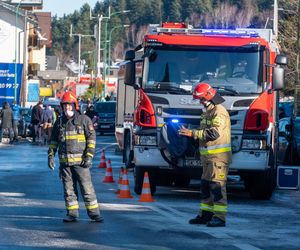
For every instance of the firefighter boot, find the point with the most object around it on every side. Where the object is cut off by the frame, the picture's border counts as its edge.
(97, 218)
(216, 222)
(70, 218)
(205, 217)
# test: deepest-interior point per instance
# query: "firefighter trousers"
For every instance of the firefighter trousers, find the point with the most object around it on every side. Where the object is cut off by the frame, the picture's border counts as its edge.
(213, 189)
(71, 177)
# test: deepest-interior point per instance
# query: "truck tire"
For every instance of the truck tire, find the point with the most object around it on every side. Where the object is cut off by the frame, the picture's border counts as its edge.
(139, 179)
(261, 184)
(127, 152)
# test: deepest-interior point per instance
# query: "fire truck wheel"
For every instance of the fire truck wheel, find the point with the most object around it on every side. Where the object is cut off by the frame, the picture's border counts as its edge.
(261, 184)
(139, 178)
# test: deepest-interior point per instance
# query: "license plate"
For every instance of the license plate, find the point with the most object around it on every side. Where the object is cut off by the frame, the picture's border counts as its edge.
(192, 163)
(104, 126)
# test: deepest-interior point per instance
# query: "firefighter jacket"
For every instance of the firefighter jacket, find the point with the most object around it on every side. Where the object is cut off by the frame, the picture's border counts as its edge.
(74, 138)
(214, 135)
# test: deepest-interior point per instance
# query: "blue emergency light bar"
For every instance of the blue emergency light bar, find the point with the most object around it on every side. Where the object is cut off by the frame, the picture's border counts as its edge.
(209, 32)
(175, 120)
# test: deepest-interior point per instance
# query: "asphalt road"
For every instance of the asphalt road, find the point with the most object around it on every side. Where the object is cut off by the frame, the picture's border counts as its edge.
(32, 208)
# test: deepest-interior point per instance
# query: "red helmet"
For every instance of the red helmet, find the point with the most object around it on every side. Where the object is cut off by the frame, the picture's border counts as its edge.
(204, 90)
(69, 97)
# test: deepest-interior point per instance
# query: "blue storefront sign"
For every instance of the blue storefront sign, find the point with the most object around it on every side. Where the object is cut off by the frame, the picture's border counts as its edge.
(8, 90)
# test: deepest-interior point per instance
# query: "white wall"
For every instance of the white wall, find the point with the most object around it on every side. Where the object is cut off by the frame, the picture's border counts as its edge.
(7, 36)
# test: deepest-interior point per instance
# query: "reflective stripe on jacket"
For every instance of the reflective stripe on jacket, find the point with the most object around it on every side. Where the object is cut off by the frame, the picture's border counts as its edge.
(214, 134)
(74, 138)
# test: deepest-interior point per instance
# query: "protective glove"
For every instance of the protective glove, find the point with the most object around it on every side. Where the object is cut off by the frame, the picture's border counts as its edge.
(51, 162)
(86, 162)
(185, 132)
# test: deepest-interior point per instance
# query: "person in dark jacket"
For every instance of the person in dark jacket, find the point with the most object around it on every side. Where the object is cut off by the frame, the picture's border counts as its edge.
(16, 119)
(47, 121)
(74, 137)
(7, 121)
(91, 113)
(36, 121)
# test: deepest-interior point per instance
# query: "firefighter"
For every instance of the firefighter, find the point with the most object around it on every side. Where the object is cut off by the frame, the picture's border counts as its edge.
(215, 152)
(74, 137)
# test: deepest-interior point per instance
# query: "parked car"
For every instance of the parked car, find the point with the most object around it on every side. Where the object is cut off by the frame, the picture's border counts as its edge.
(51, 101)
(289, 141)
(106, 114)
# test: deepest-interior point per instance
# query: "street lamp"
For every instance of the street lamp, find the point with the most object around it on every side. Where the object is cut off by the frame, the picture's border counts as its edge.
(109, 45)
(79, 48)
(100, 18)
(16, 41)
(110, 15)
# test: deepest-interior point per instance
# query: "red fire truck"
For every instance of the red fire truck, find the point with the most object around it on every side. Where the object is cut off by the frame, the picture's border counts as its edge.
(154, 98)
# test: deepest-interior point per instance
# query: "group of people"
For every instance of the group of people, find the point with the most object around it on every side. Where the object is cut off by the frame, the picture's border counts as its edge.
(10, 117)
(42, 120)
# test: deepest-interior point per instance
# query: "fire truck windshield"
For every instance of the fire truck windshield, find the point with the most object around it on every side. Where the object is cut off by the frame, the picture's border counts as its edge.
(236, 70)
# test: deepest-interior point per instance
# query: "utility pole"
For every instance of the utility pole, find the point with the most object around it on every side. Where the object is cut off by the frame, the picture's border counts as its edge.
(100, 18)
(79, 48)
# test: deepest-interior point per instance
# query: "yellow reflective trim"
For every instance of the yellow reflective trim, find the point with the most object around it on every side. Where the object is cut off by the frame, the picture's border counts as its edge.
(92, 206)
(91, 145)
(215, 151)
(73, 207)
(75, 137)
(220, 208)
(217, 121)
(71, 160)
(206, 207)
(89, 154)
(198, 134)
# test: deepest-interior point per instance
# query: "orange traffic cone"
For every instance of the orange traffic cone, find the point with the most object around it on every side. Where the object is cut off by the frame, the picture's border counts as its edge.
(124, 188)
(108, 173)
(102, 163)
(120, 180)
(146, 191)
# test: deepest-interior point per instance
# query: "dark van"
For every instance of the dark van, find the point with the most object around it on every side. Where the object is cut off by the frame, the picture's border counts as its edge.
(106, 114)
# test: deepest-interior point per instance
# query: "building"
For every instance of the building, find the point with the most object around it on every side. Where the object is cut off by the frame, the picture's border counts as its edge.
(25, 33)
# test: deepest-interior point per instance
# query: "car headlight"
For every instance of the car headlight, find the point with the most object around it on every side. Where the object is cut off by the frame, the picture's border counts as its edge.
(254, 144)
(146, 140)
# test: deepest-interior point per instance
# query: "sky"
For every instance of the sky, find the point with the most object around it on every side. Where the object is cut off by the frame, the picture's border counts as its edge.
(59, 7)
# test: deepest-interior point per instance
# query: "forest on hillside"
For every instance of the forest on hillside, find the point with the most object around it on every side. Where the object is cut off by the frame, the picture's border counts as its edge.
(198, 13)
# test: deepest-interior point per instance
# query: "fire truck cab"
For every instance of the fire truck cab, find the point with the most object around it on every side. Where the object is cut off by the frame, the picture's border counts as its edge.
(154, 98)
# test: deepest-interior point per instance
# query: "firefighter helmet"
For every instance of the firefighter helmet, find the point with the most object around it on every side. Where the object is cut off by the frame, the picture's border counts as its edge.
(69, 97)
(205, 91)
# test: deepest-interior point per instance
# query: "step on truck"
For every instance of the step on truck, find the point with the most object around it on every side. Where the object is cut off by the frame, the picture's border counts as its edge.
(154, 99)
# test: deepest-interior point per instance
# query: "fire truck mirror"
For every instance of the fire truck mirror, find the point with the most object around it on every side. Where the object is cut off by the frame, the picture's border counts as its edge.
(129, 73)
(281, 59)
(278, 78)
(129, 55)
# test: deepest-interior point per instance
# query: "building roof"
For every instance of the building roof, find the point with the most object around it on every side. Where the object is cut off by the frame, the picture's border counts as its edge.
(52, 74)
(18, 11)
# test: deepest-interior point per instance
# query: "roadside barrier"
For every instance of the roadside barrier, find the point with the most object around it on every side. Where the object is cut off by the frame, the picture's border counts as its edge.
(121, 172)
(146, 191)
(124, 188)
(102, 163)
(108, 173)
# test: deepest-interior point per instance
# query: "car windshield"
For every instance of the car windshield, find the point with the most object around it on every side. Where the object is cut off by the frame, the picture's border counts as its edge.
(105, 107)
(231, 70)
